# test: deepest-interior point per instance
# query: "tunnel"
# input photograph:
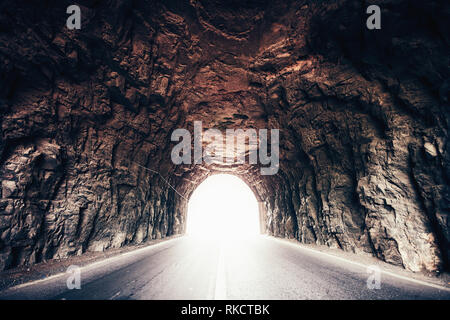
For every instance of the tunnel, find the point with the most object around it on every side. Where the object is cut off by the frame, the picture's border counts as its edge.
(88, 116)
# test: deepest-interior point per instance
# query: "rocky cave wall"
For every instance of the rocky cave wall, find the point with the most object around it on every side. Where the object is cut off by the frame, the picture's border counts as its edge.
(87, 116)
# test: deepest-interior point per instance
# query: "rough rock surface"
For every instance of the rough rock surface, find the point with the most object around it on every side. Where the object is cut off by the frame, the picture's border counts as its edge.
(86, 120)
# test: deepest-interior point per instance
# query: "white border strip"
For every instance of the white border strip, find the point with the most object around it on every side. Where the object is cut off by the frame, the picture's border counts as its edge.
(299, 246)
(221, 282)
(92, 265)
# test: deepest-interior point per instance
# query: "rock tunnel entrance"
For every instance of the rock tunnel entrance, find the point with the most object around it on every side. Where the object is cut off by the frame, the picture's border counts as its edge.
(87, 118)
(223, 206)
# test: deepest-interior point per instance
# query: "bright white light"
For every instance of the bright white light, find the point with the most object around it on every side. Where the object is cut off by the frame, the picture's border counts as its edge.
(223, 206)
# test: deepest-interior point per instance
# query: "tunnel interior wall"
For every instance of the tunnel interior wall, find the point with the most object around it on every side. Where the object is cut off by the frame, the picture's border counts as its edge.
(86, 119)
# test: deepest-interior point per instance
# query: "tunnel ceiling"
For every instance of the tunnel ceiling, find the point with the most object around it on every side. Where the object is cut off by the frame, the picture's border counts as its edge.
(87, 118)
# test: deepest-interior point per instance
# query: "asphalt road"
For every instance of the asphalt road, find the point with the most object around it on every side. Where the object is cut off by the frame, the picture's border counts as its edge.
(257, 268)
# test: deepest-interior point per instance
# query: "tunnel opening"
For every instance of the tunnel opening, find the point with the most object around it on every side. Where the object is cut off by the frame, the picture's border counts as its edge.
(223, 206)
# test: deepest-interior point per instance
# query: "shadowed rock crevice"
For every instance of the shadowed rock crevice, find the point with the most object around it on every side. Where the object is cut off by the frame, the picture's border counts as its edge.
(87, 118)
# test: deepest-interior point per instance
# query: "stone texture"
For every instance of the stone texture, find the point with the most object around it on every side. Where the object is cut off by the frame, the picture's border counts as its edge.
(363, 117)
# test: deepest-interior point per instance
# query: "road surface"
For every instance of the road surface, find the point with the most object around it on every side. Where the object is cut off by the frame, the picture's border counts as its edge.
(253, 268)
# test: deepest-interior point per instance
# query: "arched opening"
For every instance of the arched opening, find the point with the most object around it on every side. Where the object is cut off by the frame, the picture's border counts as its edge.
(223, 206)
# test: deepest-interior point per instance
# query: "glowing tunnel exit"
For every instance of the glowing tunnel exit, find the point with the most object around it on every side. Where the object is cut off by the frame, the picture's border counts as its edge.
(223, 206)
